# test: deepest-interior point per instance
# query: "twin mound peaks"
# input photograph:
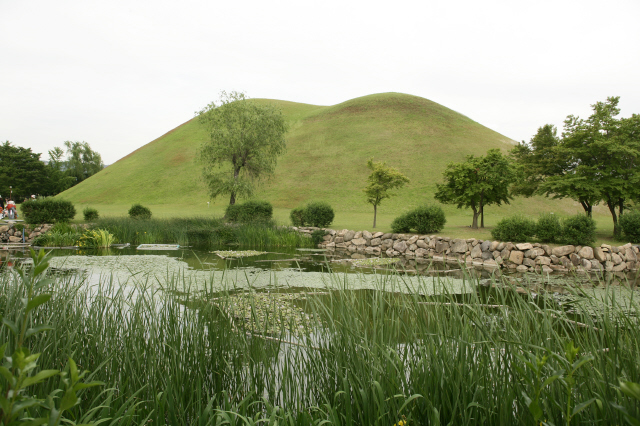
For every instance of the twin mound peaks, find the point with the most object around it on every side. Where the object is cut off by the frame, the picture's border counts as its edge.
(327, 151)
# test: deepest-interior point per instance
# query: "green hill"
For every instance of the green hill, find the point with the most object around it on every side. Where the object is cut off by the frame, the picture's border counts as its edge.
(327, 151)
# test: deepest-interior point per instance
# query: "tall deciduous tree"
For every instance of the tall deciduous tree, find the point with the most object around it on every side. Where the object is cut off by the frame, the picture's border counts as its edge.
(245, 140)
(59, 180)
(596, 159)
(477, 182)
(382, 180)
(22, 170)
(82, 162)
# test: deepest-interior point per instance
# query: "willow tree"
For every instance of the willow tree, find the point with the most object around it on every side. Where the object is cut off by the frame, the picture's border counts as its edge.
(245, 140)
(382, 180)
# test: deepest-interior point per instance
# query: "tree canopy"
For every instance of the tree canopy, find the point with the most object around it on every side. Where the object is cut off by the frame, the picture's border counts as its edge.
(22, 170)
(82, 162)
(382, 180)
(595, 160)
(245, 140)
(477, 182)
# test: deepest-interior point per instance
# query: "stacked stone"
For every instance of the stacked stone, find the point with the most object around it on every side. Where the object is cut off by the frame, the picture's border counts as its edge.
(10, 234)
(487, 254)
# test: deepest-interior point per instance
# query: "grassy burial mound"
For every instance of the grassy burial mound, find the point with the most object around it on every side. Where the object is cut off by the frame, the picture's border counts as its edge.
(327, 151)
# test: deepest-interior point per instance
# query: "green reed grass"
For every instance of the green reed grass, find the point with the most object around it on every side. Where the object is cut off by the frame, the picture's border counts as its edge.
(201, 232)
(364, 357)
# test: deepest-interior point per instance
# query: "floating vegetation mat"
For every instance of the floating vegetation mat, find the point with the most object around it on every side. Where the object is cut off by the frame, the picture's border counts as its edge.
(374, 261)
(170, 272)
(236, 254)
(158, 247)
(268, 313)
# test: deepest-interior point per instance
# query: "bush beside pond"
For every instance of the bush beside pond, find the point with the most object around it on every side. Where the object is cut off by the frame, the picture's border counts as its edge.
(424, 219)
(249, 211)
(47, 210)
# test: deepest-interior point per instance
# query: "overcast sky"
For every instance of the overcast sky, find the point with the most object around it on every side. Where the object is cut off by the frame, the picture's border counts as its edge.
(118, 74)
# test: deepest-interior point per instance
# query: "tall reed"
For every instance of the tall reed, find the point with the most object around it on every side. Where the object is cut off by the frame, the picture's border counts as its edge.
(363, 358)
(201, 232)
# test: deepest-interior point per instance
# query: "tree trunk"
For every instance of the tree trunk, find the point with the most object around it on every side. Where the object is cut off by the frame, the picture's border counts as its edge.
(620, 207)
(482, 210)
(587, 208)
(612, 209)
(375, 212)
(476, 213)
(236, 173)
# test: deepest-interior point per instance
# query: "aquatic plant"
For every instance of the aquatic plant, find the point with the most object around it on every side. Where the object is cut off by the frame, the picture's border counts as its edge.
(361, 357)
(96, 238)
(236, 254)
(201, 232)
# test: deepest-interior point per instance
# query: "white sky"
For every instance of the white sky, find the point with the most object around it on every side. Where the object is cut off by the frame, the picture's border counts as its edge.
(118, 74)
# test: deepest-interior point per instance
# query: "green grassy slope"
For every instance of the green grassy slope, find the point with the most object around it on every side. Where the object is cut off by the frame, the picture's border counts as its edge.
(326, 158)
(327, 151)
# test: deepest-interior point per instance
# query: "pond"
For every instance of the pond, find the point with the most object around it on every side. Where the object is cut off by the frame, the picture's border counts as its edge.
(281, 268)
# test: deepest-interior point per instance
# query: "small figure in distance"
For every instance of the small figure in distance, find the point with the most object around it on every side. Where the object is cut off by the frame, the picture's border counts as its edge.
(11, 207)
(1, 208)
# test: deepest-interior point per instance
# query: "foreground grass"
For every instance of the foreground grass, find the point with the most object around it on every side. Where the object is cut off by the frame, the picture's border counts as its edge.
(361, 358)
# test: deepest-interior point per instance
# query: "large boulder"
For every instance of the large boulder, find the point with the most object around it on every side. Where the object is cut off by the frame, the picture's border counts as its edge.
(400, 246)
(359, 241)
(516, 257)
(630, 254)
(459, 246)
(476, 252)
(348, 236)
(563, 250)
(366, 235)
(586, 252)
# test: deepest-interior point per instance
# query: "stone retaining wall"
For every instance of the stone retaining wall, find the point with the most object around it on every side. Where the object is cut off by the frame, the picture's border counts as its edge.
(489, 254)
(10, 234)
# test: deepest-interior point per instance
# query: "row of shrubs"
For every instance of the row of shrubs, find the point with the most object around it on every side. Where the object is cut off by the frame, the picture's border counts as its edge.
(578, 230)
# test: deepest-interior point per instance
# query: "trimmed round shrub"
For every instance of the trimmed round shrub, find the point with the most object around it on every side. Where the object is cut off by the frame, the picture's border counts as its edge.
(318, 214)
(47, 210)
(138, 211)
(630, 224)
(427, 219)
(579, 230)
(249, 211)
(402, 223)
(90, 213)
(297, 216)
(424, 219)
(514, 229)
(548, 228)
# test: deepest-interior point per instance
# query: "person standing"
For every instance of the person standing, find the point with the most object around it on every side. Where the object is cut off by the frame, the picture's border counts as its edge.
(11, 207)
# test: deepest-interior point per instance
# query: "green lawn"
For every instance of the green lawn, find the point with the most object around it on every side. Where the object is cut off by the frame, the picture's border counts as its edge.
(458, 221)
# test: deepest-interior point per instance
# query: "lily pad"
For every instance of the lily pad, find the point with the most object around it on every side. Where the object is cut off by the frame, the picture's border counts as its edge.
(236, 254)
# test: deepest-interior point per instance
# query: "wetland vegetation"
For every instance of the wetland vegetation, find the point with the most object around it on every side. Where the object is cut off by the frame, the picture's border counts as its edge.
(335, 354)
